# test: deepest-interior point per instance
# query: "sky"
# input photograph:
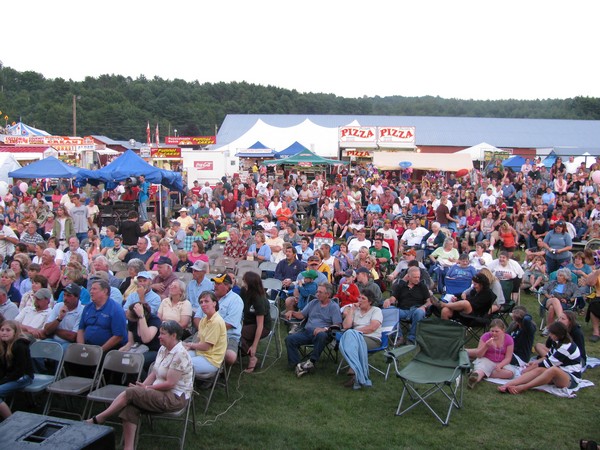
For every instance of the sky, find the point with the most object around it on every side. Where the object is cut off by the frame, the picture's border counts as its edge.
(485, 50)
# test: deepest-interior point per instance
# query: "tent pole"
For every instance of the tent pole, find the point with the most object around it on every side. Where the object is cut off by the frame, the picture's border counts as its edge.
(159, 206)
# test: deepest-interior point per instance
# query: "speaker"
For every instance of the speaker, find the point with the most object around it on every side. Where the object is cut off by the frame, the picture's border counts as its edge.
(25, 430)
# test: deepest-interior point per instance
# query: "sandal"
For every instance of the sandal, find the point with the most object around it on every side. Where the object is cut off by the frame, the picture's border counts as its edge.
(251, 367)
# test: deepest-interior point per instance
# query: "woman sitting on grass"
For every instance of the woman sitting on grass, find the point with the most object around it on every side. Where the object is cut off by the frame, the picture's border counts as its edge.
(494, 354)
(569, 319)
(561, 366)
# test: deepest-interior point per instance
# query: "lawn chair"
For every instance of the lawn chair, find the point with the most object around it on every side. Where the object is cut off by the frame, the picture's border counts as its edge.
(86, 356)
(212, 380)
(456, 286)
(440, 364)
(389, 327)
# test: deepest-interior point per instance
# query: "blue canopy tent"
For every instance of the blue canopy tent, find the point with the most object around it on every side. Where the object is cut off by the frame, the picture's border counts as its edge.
(128, 165)
(49, 167)
(514, 162)
(292, 150)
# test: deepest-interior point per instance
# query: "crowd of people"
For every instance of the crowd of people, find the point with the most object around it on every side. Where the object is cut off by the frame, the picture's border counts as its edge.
(442, 246)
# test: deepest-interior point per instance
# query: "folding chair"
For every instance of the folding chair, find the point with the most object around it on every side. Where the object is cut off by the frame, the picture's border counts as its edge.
(213, 380)
(118, 266)
(504, 312)
(47, 350)
(273, 334)
(440, 364)
(273, 287)
(456, 286)
(268, 266)
(389, 326)
(183, 416)
(86, 356)
(126, 364)
(571, 306)
(244, 263)
(241, 272)
(186, 277)
(223, 263)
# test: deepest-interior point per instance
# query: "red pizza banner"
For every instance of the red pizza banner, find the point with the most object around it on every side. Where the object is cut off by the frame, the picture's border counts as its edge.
(190, 140)
(203, 165)
(166, 152)
(363, 135)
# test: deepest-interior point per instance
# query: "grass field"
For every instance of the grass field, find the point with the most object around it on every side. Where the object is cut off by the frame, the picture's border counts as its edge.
(273, 409)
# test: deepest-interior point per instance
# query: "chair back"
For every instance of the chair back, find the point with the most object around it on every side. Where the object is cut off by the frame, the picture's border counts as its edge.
(274, 313)
(83, 354)
(186, 277)
(391, 316)
(272, 283)
(457, 286)
(122, 362)
(268, 266)
(440, 342)
(47, 350)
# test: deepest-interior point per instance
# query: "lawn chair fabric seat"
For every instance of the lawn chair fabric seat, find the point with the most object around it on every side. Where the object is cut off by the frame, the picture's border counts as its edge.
(439, 365)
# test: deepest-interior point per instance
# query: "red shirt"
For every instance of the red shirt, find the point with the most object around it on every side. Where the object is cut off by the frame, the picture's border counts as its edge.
(228, 205)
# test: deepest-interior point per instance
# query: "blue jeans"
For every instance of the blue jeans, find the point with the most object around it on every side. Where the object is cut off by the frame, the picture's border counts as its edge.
(293, 342)
(414, 314)
(13, 386)
(143, 210)
(81, 236)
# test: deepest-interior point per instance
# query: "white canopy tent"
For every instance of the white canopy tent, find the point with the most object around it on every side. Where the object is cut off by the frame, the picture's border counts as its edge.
(8, 163)
(477, 152)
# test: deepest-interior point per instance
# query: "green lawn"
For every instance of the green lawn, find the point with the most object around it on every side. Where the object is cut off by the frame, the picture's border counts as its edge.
(274, 409)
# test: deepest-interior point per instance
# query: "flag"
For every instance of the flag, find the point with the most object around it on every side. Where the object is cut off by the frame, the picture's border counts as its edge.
(157, 136)
(148, 133)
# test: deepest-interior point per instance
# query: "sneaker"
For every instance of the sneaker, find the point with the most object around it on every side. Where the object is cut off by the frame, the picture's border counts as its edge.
(473, 379)
(545, 332)
(304, 367)
(294, 328)
(595, 338)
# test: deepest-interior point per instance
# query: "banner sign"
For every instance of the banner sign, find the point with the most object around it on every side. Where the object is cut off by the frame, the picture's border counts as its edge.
(203, 165)
(397, 135)
(358, 153)
(372, 137)
(364, 135)
(170, 153)
(190, 140)
(48, 140)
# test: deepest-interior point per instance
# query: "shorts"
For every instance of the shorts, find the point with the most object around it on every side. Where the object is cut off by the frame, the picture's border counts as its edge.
(487, 366)
(233, 345)
(573, 384)
(140, 399)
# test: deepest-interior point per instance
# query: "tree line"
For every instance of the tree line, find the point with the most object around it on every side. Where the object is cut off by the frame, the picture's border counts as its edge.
(119, 107)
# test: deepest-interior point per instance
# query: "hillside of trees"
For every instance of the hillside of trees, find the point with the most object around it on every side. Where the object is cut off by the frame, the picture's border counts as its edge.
(120, 107)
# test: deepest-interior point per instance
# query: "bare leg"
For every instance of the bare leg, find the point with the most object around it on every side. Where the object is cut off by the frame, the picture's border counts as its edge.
(230, 357)
(129, 430)
(503, 374)
(526, 377)
(114, 408)
(553, 375)
(541, 350)
(554, 309)
(5, 411)
(448, 309)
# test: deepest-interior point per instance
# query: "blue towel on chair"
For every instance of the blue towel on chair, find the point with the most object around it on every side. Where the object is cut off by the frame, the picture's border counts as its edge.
(354, 350)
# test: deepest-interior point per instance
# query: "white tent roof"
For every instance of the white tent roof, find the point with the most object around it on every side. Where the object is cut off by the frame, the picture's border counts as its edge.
(450, 162)
(8, 163)
(323, 141)
(477, 151)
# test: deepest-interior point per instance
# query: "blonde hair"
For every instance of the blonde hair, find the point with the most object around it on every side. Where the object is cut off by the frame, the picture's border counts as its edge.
(488, 274)
(6, 348)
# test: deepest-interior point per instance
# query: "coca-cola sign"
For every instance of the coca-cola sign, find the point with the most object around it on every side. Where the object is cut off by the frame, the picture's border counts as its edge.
(203, 165)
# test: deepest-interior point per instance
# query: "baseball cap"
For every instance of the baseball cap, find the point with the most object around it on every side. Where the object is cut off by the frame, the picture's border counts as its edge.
(100, 275)
(349, 273)
(410, 252)
(164, 260)
(175, 222)
(223, 278)
(312, 274)
(146, 275)
(200, 266)
(43, 293)
(73, 289)
(363, 270)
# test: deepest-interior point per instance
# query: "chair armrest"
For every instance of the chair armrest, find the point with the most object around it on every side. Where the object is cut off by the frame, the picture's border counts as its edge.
(399, 352)
(463, 360)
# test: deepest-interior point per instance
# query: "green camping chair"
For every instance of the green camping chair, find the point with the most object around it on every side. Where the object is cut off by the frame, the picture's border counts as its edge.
(440, 363)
